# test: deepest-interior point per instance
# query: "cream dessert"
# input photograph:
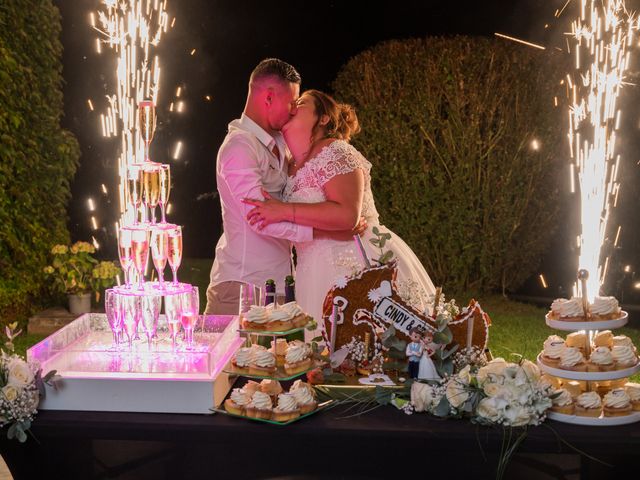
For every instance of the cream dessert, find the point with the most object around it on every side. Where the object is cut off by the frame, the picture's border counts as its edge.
(588, 404)
(617, 403)
(552, 349)
(562, 402)
(572, 359)
(286, 409)
(601, 360)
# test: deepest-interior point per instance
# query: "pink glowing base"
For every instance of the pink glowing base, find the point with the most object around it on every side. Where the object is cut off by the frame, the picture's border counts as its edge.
(97, 376)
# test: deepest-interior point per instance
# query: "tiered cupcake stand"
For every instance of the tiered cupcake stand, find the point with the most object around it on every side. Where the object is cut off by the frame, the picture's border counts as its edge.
(591, 327)
(251, 337)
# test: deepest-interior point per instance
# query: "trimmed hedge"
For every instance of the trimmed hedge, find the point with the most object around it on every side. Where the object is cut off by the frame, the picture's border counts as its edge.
(448, 124)
(37, 157)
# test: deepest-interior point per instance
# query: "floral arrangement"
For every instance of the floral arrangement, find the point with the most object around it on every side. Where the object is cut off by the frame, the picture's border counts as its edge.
(21, 387)
(498, 393)
(75, 271)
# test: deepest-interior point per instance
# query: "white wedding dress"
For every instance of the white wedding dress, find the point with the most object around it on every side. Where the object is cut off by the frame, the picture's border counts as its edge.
(321, 263)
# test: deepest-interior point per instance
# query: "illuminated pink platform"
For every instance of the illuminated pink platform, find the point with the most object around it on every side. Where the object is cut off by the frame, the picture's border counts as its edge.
(96, 376)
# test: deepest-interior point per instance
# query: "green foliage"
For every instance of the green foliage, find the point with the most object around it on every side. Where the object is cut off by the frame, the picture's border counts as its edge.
(74, 270)
(448, 125)
(37, 158)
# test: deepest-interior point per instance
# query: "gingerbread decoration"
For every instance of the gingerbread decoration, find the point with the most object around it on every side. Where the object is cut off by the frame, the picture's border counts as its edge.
(368, 302)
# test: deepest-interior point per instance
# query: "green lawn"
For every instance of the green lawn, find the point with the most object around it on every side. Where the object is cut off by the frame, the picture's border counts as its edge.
(516, 327)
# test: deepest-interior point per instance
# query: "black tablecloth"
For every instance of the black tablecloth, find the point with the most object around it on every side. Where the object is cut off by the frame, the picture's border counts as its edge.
(384, 443)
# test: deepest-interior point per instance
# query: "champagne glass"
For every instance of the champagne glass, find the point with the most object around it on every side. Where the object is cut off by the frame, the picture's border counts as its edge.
(160, 251)
(150, 305)
(189, 316)
(250, 295)
(146, 123)
(125, 253)
(173, 312)
(131, 312)
(140, 248)
(134, 188)
(151, 188)
(175, 251)
(113, 309)
(165, 188)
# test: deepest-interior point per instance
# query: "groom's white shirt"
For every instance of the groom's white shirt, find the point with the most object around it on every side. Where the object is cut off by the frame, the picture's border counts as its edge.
(245, 164)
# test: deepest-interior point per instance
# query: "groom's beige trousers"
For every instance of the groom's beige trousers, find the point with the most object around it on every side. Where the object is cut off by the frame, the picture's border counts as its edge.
(223, 298)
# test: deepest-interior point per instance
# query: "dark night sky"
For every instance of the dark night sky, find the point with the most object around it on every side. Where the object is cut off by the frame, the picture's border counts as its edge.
(230, 38)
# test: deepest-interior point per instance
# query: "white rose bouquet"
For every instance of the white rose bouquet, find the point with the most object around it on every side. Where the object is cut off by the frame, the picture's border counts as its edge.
(498, 393)
(21, 386)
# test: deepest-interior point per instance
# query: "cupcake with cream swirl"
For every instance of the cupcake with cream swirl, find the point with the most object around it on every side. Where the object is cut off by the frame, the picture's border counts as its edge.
(633, 390)
(299, 318)
(562, 402)
(601, 360)
(263, 363)
(552, 349)
(605, 308)
(280, 320)
(287, 408)
(242, 359)
(617, 403)
(297, 359)
(237, 401)
(260, 406)
(567, 310)
(588, 404)
(623, 341)
(572, 359)
(305, 396)
(256, 318)
(624, 357)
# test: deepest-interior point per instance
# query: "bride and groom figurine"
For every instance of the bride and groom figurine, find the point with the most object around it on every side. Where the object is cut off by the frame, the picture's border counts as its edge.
(419, 352)
(287, 176)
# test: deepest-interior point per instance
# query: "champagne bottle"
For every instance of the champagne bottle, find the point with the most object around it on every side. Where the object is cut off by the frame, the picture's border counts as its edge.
(289, 289)
(270, 292)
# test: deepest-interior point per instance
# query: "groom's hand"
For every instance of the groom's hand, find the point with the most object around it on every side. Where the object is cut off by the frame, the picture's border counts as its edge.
(342, 235)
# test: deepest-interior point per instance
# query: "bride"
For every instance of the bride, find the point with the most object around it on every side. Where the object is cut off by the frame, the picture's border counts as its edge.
(329, 188)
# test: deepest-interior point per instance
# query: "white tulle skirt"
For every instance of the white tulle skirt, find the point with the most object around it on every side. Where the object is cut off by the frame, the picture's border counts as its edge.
(321, 263)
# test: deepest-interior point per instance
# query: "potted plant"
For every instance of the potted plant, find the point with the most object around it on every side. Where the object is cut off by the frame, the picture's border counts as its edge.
(76, 273)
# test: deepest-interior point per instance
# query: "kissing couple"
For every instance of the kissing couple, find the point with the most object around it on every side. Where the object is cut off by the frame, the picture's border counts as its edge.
(288, 176)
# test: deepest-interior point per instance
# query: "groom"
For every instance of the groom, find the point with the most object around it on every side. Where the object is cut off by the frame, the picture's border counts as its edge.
(252, 157)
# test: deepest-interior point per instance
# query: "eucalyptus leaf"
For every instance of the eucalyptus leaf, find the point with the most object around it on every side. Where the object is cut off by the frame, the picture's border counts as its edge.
(375, 230)
(443, 408)
(383, 395)
(442, 338)
(451, 351)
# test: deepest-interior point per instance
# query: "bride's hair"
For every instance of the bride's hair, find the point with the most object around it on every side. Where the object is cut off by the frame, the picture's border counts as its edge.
(343, 121)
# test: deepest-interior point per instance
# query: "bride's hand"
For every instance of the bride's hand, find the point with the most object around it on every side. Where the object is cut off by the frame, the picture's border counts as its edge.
(266, 212)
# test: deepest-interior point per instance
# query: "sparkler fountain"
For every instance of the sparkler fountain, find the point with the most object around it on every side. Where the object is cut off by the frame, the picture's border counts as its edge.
(160, 374)
(602, 36)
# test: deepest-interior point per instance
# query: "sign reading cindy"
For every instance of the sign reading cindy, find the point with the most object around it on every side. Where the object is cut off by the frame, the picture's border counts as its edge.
(392, 312)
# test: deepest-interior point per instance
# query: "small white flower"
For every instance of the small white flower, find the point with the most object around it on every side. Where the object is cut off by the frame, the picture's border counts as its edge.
(19, 372)
(341, 282)
(10, 393)
(421, 396)
(374, 295)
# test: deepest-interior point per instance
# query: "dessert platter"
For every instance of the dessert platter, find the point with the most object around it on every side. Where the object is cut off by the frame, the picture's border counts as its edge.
(589, 368)
(268, 402)
(284, 360)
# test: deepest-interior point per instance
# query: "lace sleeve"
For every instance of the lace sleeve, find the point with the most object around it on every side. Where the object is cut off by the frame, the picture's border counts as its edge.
(339, 158)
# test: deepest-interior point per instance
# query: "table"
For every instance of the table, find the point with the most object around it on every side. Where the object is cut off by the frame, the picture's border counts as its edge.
(384, 443)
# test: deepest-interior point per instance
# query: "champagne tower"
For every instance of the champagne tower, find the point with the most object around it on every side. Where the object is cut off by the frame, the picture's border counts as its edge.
(143, 236)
